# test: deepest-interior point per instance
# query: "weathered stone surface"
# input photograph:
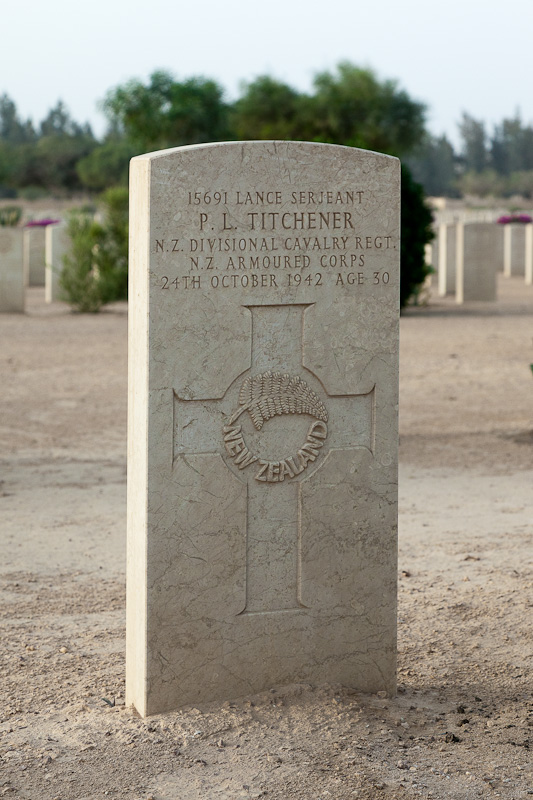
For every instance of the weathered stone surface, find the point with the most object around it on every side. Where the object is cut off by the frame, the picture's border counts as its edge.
(476, 263)
(57, 244)
(262, 461)
(12, 283)
(33, 248)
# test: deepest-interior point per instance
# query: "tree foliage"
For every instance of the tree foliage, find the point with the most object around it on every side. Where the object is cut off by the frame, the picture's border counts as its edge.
(352, 107)
(269, 109)
(435, 166)
(107, 164)
(167, 113)
(348, 106)
(497, 163)
(474, 144)
(58, 122)
(46, 159)
(416, 232)
(12, 129)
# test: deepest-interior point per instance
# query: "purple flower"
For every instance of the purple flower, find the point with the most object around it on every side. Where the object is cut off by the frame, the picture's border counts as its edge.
(41, 223)
(506, 219)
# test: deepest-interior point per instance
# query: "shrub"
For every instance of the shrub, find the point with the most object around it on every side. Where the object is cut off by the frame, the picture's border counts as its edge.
(95, 271)
(10, 216)
(113, 251)
(416, 232)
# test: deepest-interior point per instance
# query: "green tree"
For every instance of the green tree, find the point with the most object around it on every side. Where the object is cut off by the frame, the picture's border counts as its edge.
(46, 160)
(352, 107)
(434, 166)
(269, 109)
(54, 160)
(12, 128)
(8, 170)
(107, 165)
(58, 122)
(512, 146)
(474, 144)
(166, 113)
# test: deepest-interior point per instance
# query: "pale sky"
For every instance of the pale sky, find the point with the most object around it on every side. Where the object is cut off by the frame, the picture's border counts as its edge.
(457, 55)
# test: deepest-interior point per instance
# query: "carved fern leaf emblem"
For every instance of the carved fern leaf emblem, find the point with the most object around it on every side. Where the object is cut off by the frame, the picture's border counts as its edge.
(272, 393)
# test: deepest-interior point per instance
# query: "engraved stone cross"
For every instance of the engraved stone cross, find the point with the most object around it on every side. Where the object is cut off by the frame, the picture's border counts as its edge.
(274, 476)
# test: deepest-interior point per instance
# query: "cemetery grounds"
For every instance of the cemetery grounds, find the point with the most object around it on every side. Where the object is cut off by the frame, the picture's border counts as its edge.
(461, 725)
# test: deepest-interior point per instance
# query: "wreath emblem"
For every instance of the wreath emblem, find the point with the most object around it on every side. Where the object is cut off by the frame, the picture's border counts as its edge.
(268, 395)
(272, 393)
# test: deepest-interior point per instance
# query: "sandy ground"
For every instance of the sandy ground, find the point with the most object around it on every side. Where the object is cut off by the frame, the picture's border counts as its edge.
(461, 725)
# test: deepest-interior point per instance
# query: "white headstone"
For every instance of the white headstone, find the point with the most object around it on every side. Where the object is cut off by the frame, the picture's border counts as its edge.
(529, 253)
(262, 443)
(447, 258)
(12, 278)
(57, 244)
(476, 263)
(514, 249)
(431, 259)
(33, 253)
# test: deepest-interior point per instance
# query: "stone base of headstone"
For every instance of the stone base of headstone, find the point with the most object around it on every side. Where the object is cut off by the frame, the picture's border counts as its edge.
(262, 443)
(57, 244)
(476, 265)
(12, 278)
(33, 253)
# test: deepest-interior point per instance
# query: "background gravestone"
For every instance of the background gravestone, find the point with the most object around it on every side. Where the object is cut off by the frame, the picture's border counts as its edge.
(514, 249)
(57, 244)
(12, 279)
(33, 254)
(262, 443)
(528, 246)
(477, 262)
(447, 246)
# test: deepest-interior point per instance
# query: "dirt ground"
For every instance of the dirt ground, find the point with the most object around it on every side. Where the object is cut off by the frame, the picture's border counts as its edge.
(461, 725)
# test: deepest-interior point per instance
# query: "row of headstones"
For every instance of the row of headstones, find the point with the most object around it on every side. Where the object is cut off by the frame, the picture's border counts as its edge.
(30, 257)
(467, 257)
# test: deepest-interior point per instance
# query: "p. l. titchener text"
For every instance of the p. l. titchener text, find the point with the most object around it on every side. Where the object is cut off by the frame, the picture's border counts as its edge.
(286, 221)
